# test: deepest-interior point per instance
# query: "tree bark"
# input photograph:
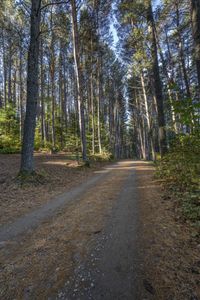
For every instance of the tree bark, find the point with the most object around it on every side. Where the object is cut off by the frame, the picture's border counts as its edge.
(181, 52)
(173, 116)
(150, 138)
(157, 82)
(92, 112)
(195, 14)
(42, 97)
(4, 69)
(32, 90)
(98, 103)
(21, 93)
(79, 78)
(52, 72)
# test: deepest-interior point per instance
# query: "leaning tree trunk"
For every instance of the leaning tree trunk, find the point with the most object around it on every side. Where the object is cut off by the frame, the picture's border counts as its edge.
(32, 90)
(157, 82)
(195, 13)
(79, 78)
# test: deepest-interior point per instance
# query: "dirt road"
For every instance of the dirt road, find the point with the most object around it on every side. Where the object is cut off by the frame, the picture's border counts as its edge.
(80, 245)
(110, 270)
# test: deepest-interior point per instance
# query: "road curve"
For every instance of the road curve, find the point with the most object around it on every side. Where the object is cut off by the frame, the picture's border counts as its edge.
(86, 238)
(33, 219)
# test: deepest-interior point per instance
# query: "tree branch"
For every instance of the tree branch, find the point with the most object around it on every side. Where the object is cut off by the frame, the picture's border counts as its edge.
(54, 3)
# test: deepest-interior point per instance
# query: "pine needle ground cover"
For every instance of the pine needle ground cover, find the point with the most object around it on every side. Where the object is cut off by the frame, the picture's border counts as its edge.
(59, 173)
(169, 245)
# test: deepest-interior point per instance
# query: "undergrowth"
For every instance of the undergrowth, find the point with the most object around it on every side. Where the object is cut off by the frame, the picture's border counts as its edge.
(180, 172)
(103, 156)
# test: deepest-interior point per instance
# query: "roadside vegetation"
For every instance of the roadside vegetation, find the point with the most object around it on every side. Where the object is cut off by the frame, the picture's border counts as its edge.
(105, 80)
(180, 172)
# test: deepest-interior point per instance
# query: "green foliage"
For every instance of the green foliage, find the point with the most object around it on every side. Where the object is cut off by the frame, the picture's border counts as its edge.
(187, 111)
(103, 156)
(181, 166)
(9, 130)
(180, 170)
(37, 141)
(191, 206)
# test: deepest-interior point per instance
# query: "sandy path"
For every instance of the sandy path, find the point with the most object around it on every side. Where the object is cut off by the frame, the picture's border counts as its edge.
(34, 218)
(110, 270)
(81, 245)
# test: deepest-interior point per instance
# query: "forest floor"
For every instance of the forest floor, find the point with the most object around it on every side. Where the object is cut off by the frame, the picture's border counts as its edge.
(110, 234)
(58, 175)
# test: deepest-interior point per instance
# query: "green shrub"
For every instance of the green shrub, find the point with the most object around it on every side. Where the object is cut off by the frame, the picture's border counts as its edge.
(9, 130)
(180, 170)
(103, 156)
(181, 166)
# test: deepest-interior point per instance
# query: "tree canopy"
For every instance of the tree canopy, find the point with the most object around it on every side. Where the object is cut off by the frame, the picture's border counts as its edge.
(116, 78)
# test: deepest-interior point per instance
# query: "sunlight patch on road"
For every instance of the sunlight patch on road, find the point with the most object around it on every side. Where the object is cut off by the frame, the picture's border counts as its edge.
(145, 168)
(147, 187)
(61, 163)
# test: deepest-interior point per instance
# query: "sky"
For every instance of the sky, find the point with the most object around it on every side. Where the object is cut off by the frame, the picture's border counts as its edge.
(114, 31)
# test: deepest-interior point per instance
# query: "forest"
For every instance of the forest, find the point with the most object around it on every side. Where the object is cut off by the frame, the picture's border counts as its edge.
(113, 78)
(102, 80)
(99, 149)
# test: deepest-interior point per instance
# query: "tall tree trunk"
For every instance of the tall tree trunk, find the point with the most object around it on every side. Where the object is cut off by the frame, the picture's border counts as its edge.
(32, 90)
(79, 78)
(52, 72)
(61, 100)
(169, 80)
(21, 94)
(157, 82)
(138, 125)
(98, 103)
(4, 69)
(181, 52)
(9, 70)
(92, 98)
(53, 137)
(14, 88)
(195, 14)
(42, 96)
(150, 138)
(66, 88)
(92, 112)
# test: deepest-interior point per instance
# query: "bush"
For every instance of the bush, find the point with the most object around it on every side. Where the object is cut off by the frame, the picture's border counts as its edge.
(180, 170)
(9, 130)
(104, 156)
(181, 166)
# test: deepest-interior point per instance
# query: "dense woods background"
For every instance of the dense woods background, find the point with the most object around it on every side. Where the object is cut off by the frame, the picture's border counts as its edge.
(111, 78)
(83, 82)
